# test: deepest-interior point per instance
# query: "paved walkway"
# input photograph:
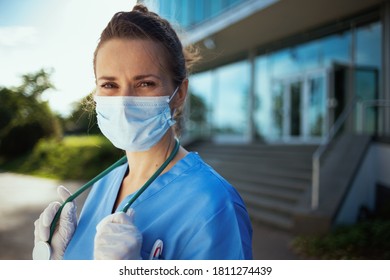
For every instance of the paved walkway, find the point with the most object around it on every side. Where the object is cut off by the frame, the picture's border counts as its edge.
(24, 197)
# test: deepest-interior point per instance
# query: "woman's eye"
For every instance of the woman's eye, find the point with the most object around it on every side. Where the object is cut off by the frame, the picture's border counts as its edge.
(108, 85)
(146, 84)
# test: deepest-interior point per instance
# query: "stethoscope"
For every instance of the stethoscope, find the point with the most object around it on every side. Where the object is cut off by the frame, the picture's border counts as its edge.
(42, 249)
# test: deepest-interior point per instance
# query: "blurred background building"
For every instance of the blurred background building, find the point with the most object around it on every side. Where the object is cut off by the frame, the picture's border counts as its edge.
(293, 97)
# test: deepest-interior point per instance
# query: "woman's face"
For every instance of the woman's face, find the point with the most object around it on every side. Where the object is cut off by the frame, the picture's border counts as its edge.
(132, 67)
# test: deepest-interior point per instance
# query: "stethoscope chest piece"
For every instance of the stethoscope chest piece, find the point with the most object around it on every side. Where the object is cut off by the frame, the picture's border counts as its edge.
(41, 251)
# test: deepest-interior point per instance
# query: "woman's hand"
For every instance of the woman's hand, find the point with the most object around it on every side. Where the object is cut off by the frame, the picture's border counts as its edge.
(64, 230)
(117, 238)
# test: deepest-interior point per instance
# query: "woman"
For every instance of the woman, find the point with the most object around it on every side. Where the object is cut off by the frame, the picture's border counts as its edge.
(188, 211)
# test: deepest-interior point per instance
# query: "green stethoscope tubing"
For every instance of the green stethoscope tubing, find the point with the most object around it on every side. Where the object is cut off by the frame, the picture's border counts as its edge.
(105, 172)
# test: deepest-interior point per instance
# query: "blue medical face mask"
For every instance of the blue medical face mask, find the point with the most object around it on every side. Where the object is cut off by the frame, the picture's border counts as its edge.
(134, 123)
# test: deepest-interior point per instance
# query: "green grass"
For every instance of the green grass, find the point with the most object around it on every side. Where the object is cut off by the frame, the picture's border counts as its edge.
(368, 240)
(74, 157)
(86, 141)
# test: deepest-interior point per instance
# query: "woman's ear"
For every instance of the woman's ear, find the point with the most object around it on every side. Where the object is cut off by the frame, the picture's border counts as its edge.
(181, 95)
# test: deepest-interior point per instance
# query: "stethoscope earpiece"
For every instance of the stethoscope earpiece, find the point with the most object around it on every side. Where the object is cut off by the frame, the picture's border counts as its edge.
(41, 251)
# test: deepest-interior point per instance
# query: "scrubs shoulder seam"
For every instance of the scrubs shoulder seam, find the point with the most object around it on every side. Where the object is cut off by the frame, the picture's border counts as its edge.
(225, 184)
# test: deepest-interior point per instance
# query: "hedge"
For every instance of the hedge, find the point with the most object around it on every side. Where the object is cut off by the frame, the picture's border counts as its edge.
(74, 157)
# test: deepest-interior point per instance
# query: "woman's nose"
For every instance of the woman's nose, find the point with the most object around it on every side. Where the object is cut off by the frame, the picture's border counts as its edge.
(127, 91)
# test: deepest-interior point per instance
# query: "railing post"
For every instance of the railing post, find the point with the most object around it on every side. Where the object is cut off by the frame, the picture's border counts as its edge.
(363, 116)
(316, 183)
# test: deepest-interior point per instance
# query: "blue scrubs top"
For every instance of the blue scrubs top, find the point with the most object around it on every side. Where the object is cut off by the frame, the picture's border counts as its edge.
(191, 208)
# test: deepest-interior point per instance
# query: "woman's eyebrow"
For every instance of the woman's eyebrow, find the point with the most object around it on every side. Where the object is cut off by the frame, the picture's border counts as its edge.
(106, 78)
(136, 78)
(145, 76)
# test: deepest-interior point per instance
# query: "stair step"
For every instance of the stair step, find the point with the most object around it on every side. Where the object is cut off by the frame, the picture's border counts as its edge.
(255, 190)
(272, 182)
(275, 205)
(264, 152)
(271, 211)
(305, 164)
(260, 170)
(271, 219)
(256, 147)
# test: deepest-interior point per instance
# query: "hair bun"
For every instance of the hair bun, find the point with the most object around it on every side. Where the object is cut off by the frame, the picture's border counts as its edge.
(140, 8)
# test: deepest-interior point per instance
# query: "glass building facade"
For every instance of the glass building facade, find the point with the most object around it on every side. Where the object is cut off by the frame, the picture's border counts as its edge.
(188, 13)
(299, 88)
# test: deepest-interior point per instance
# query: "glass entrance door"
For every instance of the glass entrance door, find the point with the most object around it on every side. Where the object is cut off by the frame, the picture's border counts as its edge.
(305, 115)
(295, 109)
(293, 97)
(317, 95)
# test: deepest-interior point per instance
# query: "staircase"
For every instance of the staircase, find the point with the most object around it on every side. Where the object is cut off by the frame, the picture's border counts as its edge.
(270, 178)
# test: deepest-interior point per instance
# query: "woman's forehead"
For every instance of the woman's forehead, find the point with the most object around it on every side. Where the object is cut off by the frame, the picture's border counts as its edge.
(129, 55)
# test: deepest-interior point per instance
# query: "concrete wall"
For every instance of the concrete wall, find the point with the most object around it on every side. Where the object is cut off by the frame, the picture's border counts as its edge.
(374, 169)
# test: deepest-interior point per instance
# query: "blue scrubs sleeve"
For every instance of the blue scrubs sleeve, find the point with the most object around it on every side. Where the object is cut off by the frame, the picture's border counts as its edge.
(222, 237)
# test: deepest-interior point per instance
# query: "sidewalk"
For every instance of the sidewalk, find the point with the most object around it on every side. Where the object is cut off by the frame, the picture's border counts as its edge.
(23, 198)
(272, 244)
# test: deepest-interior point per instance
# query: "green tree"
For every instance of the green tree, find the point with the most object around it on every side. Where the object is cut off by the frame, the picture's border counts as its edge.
(198, 109)
(24, 116)
(197, 116)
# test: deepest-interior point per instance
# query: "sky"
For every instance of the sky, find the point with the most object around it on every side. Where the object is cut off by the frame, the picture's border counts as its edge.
(58, 35)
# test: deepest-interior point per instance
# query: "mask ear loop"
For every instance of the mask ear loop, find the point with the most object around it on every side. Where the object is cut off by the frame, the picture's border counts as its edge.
(170, 98)
(173, 94)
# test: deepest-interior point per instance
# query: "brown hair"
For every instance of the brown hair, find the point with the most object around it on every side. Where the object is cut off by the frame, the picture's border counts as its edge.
(141, 23)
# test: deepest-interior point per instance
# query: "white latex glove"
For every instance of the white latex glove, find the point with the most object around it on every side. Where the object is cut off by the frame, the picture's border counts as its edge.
(117, 238)
(65, 228)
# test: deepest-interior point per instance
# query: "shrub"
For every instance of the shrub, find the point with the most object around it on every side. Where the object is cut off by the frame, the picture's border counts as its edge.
(74, 157)
(368, 240)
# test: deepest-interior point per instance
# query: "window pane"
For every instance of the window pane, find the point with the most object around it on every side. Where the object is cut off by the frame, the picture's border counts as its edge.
(277, 108)
(367, 72)
(366, 83)
(230, 110)
(199, 116)
(295, 108)
(368, 45)
(317, 108)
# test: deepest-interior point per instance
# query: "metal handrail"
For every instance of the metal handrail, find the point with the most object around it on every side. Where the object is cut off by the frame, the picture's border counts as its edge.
(371, 103)
(316, 159)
